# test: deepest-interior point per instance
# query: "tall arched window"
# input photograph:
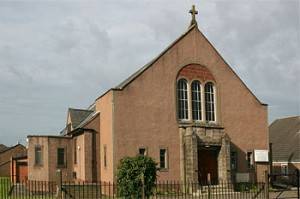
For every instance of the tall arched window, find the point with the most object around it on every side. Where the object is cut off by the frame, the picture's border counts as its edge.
(182, 97)
(196, 100)
(209, 102)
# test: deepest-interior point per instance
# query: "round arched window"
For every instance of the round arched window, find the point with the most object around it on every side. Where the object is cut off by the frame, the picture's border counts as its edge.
(196, 100)
(182, 99)
(209, 101)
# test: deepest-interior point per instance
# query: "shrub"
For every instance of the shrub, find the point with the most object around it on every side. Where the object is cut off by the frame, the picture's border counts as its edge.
(131, 171)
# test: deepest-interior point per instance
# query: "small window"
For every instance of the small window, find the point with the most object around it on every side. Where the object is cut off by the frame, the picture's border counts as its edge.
(142, 151)
(61, 157)
(182, 99)
(75, 151)
(284, 169)
(105, 156)
(163, 159)
(38, 155)
(233, 160)
(74, 175)
(196, 100)
(249, 160)
(209, 101)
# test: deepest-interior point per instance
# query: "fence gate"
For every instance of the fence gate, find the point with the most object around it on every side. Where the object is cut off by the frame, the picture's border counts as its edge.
(285, 185)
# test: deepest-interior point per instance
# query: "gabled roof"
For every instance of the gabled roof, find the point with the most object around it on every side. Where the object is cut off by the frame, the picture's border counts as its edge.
(78, 115)
(148, 65)
(285, 138)
(12, 147)
(2, 147)
(145, 67)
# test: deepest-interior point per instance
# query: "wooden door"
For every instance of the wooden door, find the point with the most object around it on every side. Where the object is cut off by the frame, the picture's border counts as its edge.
(22, 171)
(207, 164)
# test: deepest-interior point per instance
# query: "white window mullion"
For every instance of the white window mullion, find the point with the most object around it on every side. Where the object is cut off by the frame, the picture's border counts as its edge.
(189, 103)
(203, 103)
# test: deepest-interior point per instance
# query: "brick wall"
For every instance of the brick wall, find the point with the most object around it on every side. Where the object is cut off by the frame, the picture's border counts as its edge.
(6, 156)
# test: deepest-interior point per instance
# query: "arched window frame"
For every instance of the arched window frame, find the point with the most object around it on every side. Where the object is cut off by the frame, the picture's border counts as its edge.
(212, 105)
(183, 111)
(196, 95)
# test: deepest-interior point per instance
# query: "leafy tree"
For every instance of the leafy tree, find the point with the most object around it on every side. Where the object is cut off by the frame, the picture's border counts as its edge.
(131, 172)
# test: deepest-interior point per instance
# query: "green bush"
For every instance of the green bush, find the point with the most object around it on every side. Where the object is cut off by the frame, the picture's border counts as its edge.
(131, 171)
(245, 187)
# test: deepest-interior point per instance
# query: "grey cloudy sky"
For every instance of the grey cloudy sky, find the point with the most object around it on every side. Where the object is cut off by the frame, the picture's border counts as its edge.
(60, 54)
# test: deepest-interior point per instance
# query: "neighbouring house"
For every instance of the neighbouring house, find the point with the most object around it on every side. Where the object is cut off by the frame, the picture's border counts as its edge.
(6, 156)
(2, 147)
(285, 139)
(19, 168)
(186, 108)
(76, 151)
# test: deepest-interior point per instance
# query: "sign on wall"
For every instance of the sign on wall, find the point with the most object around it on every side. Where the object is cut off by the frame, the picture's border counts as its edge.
(261, 155)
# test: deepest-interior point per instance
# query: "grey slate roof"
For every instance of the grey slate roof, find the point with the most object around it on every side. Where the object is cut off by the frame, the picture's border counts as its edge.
(2, 147)
(285, 138)
(12, 147)
(78, 116)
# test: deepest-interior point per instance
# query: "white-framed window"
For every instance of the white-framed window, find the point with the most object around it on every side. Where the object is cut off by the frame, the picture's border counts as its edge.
(182, 99)
(196, 100)
(209, 101)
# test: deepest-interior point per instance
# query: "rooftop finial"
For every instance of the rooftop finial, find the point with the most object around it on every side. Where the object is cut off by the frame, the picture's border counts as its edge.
(193, 12)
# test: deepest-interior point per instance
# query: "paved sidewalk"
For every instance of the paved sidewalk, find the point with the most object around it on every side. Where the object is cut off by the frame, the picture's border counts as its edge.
(284, 194)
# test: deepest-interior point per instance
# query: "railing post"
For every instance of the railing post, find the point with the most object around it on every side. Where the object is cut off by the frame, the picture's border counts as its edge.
(143, 186)
(58, 184)
(298, 182)
(209, 183)
(271, 163)
(266, 184)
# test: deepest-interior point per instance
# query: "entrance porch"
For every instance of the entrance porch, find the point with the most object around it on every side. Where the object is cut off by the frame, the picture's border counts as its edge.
(204, 154)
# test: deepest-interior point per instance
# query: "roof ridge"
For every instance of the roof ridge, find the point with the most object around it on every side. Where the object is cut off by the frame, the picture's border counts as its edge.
(80, 109)
(87, 119)
(146, 66)
(283, 118)
(288, 117)
(125, 82)
(9, 148)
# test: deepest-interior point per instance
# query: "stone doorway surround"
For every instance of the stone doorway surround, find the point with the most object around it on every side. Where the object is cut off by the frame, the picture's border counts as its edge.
(194, 136)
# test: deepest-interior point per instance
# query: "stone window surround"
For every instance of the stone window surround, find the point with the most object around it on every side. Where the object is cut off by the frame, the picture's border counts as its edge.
(203, 113)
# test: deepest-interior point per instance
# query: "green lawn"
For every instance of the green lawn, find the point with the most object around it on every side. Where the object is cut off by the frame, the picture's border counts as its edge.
(4, 187)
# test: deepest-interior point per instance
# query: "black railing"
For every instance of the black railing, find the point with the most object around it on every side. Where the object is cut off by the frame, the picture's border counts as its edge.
(285, 185)
(107, 190)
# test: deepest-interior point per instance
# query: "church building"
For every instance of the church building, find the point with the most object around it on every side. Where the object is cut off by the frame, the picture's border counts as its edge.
(187, 109)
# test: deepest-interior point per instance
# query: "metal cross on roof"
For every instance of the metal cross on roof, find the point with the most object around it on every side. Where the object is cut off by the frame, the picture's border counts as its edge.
(193, 12)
